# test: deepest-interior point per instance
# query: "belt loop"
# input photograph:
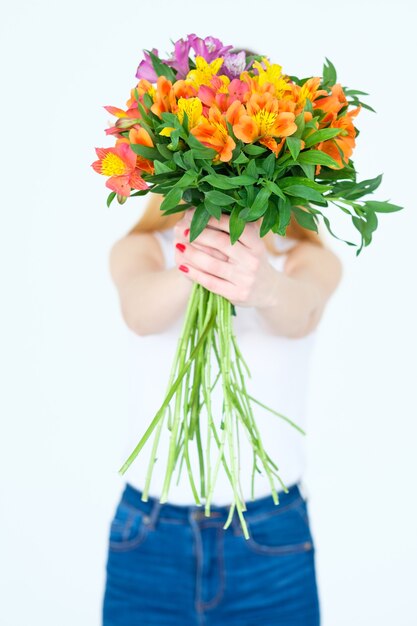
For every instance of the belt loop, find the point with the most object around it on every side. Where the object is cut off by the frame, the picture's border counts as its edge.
(152, 518)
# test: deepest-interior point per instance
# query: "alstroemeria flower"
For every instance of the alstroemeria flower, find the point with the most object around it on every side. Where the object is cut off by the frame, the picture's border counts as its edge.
(310, 89)
(179, 60)
(221, 95)
(204, 72)
(331, 104)
(213, 133)
(141, 136)
(119, 163)
(271, 74)
(145, 68)
(164, 100)
(261, 120)
(345, 141)
(234, 64)
(209, 48)
(194, 110)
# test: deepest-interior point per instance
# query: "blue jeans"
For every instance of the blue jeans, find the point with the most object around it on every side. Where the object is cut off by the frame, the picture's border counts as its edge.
(169, 565)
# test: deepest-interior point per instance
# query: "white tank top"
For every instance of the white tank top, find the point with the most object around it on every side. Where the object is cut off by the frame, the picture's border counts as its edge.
(279, 367)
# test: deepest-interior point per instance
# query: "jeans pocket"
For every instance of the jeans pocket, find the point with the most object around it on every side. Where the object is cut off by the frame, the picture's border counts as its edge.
(129, 528)
(281, 532)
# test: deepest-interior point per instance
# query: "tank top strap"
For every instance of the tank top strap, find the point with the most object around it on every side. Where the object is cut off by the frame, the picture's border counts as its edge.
(166, 238)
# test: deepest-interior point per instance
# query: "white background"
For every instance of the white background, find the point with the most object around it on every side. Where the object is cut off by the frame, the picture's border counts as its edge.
(63, 399)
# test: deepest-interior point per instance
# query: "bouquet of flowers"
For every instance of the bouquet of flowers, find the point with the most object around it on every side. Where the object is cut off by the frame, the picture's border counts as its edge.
(220, 130)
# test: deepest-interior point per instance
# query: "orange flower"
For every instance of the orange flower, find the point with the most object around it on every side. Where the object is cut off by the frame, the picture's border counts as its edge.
(184, 89)
(309, 90)
(143, 86)
(138, 135)
(345, 141)
(212, 133)
(331, 104)
(164, 99)
(217, 95)
(262, 121)
(119, 163)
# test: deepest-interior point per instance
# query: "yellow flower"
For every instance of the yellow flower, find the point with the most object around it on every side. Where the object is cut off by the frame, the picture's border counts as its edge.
(204, 71)
(273, 75)
(194, 110)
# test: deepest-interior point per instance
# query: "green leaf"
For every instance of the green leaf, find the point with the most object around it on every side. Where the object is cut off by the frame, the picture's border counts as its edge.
(242, 158)
(178, 159)
(199, 221)
(189, 160)
(178, 208)
(217, 197)
(290, 181)
(305, 219)
(321, 135)
(352, 190)
(327, 222)
(382, 207)
(253, 149)
(307, 193)
(225, 182)
(259, 206)
(251, 169)
(345, 173)
(317, 157)
(161, 168)
(171, 199)
(164, 151)
(273, 188)
(270, 218)
(300, 122)
(329, 74)
(160, 68)
(213, 209)
(171, 119)
(268, 165)
(309, 170)
(145, 151)
(284, 208)
(243, 180)
(187, 179)
(366, 226)
(199, 150)
(236, 224)
(110, 198)
(294, 146)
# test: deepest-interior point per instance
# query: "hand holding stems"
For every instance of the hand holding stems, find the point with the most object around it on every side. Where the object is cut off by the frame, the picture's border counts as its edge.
(241, 272)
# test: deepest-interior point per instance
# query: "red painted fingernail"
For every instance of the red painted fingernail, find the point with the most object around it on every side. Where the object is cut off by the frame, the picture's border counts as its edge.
(180, 247)
(186, 231)
(183, 268)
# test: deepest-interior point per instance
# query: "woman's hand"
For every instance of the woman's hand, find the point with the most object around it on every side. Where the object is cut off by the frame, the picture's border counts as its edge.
(240, 272)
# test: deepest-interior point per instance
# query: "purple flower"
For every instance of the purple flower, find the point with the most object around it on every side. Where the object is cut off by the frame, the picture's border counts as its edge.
(179, 60)
(145, 68)
(209, 48)
(234, 64)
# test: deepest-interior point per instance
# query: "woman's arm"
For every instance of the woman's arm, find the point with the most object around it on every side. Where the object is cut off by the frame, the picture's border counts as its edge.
(298, 295)
(151, 297)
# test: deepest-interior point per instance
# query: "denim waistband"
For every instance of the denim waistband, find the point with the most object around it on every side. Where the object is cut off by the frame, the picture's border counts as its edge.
(183, 513)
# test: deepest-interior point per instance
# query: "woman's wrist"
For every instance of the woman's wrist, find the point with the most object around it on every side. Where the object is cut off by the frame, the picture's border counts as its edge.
(288, 304)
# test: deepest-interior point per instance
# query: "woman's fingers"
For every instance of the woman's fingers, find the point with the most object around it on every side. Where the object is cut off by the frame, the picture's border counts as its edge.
(192, 257)
(181, 237)
(212, 283)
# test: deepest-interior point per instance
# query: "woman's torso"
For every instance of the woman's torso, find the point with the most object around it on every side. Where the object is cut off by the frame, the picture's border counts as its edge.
(279, 369)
